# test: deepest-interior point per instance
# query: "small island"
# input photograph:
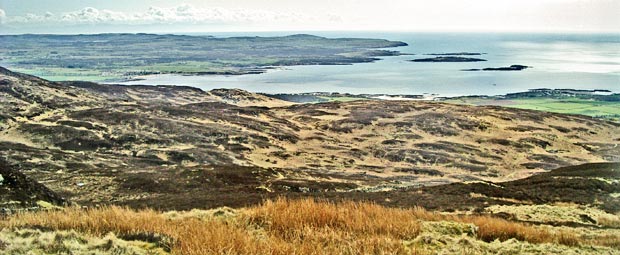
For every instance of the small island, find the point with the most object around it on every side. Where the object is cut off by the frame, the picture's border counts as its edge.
(448, 59)
(508, 68)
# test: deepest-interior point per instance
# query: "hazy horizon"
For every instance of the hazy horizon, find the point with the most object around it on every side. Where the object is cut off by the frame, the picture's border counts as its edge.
(193, 16)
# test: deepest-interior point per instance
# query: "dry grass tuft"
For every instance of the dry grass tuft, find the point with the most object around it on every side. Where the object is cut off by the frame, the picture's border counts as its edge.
(291, 217)
(187, 236)
(34, 241)
(612, 221)
(609, 240)
(285, 226)
(490, 229)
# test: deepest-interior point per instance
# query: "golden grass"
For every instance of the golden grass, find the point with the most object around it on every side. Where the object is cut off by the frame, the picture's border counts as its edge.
(282, 227)
(609, 240)
(287, 217)
(188, 236)
(609, 221)
(490, 229)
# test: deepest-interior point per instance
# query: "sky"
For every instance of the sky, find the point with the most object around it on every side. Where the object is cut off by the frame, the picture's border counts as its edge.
(96, 16)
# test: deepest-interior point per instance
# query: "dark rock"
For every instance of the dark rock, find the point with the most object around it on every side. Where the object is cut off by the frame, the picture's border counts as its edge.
(509, 68)
(448, 59)
(18, 187)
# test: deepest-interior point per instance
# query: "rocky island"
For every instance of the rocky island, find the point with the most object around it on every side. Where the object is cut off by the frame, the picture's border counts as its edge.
(448, 59)
(508, 68)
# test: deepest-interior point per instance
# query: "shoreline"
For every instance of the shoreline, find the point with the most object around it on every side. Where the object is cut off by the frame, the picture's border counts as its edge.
(384, 96)
(537, 92)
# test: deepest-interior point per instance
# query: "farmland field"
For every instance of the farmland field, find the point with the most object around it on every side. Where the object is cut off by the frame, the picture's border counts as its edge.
(584, 106)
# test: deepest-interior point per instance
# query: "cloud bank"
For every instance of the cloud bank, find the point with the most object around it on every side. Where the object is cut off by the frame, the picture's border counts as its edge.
(273, 15)
(2, 16)
(182, 14)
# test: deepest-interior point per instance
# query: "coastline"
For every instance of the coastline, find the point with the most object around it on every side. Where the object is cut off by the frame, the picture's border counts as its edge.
(601, 104)
(393, 74)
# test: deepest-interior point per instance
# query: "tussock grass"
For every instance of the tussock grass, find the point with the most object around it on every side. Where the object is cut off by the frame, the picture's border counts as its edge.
(34, 241)
(490, 229)
(287, 217)
(187, 236)
(282, 226)
(609, 240)
(610, 220)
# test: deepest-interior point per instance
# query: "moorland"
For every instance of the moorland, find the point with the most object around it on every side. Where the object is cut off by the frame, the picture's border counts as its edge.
(96, 168)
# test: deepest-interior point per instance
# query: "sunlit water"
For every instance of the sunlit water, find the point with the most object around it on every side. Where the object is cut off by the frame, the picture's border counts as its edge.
(577, 61)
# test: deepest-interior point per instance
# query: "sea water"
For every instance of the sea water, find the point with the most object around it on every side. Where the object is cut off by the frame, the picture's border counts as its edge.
(567, 61)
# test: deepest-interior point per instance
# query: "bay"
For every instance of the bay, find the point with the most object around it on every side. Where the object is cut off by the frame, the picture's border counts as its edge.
(560, 61)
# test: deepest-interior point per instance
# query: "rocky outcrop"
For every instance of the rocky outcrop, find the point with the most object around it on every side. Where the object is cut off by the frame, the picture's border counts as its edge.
(18, 192)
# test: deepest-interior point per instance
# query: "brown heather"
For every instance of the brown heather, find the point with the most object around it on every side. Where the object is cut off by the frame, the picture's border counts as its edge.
(282, 226)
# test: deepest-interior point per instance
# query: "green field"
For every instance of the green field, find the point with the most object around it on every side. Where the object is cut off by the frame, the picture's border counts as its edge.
(67, 74)
(342, 99)
(584, 106)
(572, 106)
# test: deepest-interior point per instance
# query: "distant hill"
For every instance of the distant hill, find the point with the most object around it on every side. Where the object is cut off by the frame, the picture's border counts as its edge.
(87, 57)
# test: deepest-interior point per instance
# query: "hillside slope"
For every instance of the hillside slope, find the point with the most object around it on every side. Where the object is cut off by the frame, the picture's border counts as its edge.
(84, 131)
(17, 191)
(572, 210)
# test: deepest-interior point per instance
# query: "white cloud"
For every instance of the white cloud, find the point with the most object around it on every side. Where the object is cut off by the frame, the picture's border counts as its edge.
(2, 16)
(459, 15)
(182, 14)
